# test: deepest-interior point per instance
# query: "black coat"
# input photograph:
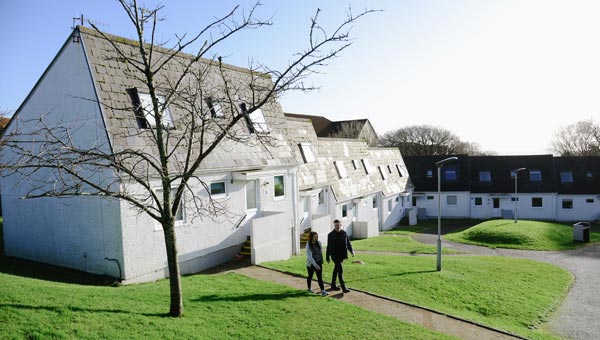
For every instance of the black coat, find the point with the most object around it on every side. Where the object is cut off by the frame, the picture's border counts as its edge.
(338, 245)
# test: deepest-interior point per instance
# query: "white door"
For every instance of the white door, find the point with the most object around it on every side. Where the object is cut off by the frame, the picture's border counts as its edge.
(252, 203)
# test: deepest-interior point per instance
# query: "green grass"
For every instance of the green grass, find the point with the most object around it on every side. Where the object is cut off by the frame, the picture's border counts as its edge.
(219, 306)
(397, 243)
(511, 294)
(524, 234)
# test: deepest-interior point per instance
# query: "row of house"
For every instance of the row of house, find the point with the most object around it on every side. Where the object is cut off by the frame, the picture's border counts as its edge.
(483, 187)
(269, 192)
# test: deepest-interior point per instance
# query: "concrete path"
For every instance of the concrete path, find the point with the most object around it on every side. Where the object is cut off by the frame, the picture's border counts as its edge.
(579, 315)
(405, 312)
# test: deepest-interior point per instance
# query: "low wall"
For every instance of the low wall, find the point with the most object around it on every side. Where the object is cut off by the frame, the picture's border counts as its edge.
(271, 237)
(364, 229)
(322, 225)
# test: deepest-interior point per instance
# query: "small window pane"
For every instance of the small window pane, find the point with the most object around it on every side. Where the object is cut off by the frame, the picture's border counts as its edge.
(217, 188)
(367, 166)
(566, 177)
(344, 210)
(399, 168)
(250, 195)
(390, 205)
(478, 201)
(307, 152)
(148, 110)
(374, 202)
(355, 164)
(567, 204)
(383, 172)
(450, 175)
(535, 176)
(322, 197)
(430, 197)
(341, 169)
(279, 186)
(429, 173)
(485, 176)
(589, 200)
(214, 106)
(536, 202)
(589, 174)
(451, 200)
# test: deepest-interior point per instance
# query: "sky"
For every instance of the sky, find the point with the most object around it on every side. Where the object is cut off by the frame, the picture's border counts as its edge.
(504, 74)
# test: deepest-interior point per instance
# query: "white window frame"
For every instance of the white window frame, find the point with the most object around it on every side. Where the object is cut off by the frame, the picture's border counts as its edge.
(219, 195)
(562, 205)
(159, 192)
(448, 200)
(541, 200)
(341, 169)
(367, 165)
(307, 152)
(148, 111)
(256, 195)
(480, 201)
(344, 209)
(280, 197)
(566, 176)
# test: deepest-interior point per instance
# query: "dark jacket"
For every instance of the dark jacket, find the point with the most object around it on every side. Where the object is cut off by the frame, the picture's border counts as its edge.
(338, 245)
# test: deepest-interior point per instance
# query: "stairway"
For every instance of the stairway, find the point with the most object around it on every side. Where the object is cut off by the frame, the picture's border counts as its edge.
(246, 248)
(304, 238)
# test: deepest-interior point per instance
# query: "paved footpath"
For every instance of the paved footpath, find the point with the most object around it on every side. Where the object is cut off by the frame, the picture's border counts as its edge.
(579, 315)
(413, 314)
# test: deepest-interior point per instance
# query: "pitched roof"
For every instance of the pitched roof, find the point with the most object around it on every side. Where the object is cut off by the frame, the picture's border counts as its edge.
(420, 166)
(113, 78)
(585, 172)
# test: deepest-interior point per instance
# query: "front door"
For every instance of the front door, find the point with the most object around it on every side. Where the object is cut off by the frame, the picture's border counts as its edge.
(496, 212)
(252, 203)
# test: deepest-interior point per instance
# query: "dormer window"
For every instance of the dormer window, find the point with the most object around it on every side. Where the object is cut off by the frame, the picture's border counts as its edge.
(485, 176)
(341, 169)
(566, 177)
(145, 110)
(535, 176)
(429, 173)
(255, 120)
(450, 175)
(307, 152)
(215, 108)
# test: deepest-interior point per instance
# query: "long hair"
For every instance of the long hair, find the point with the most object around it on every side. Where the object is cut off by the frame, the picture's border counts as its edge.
(310, 238)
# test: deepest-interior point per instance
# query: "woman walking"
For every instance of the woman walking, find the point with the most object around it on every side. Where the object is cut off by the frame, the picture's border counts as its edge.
(314, 262)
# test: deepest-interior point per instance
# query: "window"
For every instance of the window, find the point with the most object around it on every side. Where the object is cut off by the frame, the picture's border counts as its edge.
(374, 202)
(250, 195)
(214, 106)
(566, 177)
(383, 172)
(307, 152)
(588, 174)
(450, 175)
(255, 120)
(179, 216)
(389, 169)
(589, 200)
(341, 169)
(535, 175)
(431, 197)
(478, 201)
(399, 168)
(355, 164)
(367, 165)
(217, 188)
(513, 199)
(451, 200)
(322, 197)
(390, 205)
(567, 204)
(536, 202)
(279, 186)
(429, 173)
(485, 176)
(344, 210)
(147, 111)
(397, 198)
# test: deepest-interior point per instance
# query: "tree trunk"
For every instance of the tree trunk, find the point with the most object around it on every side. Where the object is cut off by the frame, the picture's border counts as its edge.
(174, 275)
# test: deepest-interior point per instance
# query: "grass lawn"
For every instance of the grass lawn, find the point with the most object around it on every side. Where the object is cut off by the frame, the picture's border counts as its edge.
(511, 294)
(219, 306)
(398, 242)
(524, 234)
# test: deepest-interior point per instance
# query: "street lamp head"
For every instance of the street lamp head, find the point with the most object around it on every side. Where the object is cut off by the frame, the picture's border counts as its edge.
(439, 164)
(519, 169)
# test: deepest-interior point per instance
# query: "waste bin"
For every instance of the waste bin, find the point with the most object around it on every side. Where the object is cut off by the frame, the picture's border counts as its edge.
(581, 232)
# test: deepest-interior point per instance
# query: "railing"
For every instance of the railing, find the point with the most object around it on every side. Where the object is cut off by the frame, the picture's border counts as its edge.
(237, 225)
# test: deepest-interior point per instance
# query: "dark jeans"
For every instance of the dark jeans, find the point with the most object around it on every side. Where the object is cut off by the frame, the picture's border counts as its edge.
(338, 272)
(312, 270)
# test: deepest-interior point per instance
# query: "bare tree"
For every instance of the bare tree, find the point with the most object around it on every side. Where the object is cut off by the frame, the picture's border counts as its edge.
(428, 140)
(579, 139)
(356, 129)
(201, 86)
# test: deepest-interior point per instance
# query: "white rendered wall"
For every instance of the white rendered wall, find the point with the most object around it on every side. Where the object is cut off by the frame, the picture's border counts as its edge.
(582, 210)
(460, 210)
(271, 243)
(392, 218)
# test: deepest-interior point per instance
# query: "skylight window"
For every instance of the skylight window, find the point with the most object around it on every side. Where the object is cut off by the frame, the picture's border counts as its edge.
(307, 152)
(399, 168)
(255, 120)
(215, 108)
(147, 110)
(485, 176)
(566, 177)
(341, 169)
(367, 165)
(535, 176)
(383, 172)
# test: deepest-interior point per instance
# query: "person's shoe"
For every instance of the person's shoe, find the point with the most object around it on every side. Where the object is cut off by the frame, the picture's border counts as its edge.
(310, 290)
(335, 288)
(346, 290)
(324, 293)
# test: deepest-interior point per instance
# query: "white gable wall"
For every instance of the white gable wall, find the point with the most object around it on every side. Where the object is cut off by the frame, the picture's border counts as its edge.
(75, 232)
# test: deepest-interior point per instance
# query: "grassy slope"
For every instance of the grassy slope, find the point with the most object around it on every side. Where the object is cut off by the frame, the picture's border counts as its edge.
(222, 306)
(524, 234)
(397, 241)
(511, 294)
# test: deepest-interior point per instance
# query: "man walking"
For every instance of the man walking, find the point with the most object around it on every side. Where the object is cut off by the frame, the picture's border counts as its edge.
(338, 246)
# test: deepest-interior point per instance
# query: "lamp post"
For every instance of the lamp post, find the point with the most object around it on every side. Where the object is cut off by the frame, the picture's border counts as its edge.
(439, 238)
(516, 172)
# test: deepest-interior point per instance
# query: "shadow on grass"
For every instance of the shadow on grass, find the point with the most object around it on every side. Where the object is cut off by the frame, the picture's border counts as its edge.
(47, 272)
(249, 297)
(61, 310)
(392, 275)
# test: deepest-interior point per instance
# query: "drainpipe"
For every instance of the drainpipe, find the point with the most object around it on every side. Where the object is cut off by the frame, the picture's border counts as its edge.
(295, 235)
